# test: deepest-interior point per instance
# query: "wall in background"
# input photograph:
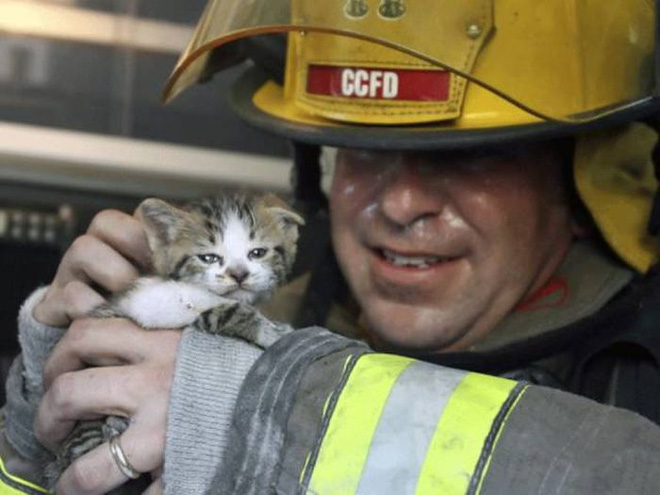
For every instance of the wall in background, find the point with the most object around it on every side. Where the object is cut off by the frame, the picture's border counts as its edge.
(82, 129)
(100, 65)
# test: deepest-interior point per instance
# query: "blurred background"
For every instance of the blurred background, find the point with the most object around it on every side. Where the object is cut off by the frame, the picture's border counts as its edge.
(82, 129)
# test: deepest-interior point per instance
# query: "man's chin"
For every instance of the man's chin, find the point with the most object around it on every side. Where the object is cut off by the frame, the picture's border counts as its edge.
(397, 327)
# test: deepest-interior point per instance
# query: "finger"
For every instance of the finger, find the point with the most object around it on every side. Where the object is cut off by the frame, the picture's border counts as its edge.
(97, 342)
(61, 305)
(90, 259)
(97, 472)
(157, 473)
(85, 394)
(123, 232)
(156, 488)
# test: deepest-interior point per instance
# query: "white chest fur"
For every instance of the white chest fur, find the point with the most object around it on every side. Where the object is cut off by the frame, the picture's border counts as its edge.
(158, 303)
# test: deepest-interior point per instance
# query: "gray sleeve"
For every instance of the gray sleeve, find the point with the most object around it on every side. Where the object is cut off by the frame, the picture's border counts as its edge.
(209, 373)
(25, 381)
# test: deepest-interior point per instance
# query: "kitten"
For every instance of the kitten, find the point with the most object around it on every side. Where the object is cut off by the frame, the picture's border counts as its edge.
(212, 260)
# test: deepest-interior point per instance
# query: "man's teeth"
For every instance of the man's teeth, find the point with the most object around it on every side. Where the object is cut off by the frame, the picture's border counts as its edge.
(415, 261)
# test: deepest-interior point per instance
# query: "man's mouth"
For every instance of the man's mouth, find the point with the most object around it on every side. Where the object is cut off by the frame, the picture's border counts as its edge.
(412, 261)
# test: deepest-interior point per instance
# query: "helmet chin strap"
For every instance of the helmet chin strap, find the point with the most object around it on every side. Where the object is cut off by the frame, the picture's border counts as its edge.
(315, 254)
(306, 176)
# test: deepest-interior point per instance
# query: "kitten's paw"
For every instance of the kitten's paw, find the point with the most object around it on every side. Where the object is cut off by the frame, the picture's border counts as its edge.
(221, 317)
(236, 319)
(157, 303)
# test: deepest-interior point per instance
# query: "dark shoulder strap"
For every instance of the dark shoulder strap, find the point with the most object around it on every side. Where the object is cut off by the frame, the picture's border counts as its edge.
(623, 369)
(616, 351)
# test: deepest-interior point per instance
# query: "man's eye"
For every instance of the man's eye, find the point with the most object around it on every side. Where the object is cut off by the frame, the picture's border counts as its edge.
(210, 258)
(257, 253)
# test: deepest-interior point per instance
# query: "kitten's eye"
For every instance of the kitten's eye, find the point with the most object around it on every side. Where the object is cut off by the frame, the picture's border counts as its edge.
(210, 258)
(257, 253)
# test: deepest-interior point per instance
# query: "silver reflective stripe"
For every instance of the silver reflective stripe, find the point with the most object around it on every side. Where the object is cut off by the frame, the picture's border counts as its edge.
(399, 446)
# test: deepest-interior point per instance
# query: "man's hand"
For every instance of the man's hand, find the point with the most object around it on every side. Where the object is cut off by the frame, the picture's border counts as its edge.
(108, 258)
(132, 377)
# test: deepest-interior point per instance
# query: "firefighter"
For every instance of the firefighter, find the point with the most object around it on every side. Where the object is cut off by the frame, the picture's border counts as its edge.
(493, 216)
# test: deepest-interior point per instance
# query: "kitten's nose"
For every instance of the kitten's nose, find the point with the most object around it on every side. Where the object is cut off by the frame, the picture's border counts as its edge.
(238, 274)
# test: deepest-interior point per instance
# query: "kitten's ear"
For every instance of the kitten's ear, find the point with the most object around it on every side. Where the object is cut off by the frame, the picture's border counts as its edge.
(286, 215)
(161, 221)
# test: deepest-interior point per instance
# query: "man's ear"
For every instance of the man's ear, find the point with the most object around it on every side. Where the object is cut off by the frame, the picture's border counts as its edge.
(162, 221)
(582, 226)
(579, 231)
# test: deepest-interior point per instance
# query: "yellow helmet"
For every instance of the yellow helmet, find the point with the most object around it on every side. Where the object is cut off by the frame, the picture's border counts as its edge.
(414, 74)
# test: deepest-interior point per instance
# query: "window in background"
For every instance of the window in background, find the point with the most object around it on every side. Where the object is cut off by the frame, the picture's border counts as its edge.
(74, 78)
(82, 129)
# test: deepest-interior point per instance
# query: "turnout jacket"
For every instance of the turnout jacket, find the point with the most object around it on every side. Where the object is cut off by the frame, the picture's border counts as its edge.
(323, 413)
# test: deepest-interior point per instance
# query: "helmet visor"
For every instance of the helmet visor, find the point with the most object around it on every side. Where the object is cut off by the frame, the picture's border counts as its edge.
(571, 61)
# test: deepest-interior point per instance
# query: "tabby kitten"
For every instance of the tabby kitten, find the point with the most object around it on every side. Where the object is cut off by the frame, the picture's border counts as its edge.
(212, 260)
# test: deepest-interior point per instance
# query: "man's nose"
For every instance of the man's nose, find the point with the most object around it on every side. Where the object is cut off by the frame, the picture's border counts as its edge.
(408, 194)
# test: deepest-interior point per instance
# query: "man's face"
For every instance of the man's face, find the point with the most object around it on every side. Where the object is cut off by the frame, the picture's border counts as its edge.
(439, 247)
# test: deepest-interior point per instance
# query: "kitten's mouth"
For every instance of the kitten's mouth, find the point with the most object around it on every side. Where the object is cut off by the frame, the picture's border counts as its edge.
(225, 292)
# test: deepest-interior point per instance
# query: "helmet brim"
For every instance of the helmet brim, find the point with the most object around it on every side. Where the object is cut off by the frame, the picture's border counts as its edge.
(418, 137)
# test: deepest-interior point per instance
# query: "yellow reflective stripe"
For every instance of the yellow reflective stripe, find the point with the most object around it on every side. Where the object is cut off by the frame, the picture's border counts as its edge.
(6, 489)
(347, 440)
(326, 405)
(406, 427)
(497, 438)
(9, 490)
(459, 440)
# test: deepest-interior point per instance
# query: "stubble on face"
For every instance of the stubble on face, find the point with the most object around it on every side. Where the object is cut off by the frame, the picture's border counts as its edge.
(437, 249)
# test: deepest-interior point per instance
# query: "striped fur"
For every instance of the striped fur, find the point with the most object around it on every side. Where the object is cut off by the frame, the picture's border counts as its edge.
(237, 247)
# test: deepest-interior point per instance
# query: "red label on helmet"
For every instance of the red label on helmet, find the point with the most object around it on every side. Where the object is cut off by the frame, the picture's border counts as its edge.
(378, 84)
